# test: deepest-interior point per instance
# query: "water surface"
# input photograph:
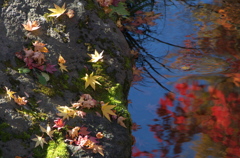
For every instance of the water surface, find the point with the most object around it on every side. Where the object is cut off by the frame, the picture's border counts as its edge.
(201, 117)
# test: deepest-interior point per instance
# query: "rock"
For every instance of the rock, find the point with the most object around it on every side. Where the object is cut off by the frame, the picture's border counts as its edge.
(73, 39)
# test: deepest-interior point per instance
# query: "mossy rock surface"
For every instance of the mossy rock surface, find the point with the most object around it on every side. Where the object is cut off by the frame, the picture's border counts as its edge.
(73, 39)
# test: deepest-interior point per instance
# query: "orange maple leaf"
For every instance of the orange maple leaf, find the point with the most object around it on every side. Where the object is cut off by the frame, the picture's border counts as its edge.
(99, 135)
(31, 26)
(40, 47)
(20, 100)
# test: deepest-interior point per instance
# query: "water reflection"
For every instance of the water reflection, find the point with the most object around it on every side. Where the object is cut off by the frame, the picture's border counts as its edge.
(206, 101)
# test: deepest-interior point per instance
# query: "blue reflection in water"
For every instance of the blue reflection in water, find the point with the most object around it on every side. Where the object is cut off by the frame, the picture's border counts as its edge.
(178, 24)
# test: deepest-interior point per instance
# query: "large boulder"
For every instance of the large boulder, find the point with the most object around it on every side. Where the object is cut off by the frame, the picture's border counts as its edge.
(73, 38)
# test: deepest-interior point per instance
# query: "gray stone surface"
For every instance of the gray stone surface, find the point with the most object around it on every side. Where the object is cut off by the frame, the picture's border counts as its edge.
(67, 37)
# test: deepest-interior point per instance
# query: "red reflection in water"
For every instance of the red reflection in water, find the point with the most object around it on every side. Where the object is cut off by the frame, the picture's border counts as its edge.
(198, 109)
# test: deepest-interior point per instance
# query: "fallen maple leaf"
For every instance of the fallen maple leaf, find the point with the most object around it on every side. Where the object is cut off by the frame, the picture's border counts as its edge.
(81, 141)
(106, 110)
(39, 141)
(62, 67)
(28, 52)
(85, 101)
(57, 11)
(9, 93)
(81, 113)
(96, 57)
(40, 47)
(91, 80)
(98, 149)
(120, 121)
(66, 112)
(74, 132)
(48, 131)
(59, 123)
(31, 26)
(39, 58)
(19, 100)
(99, 135)
(50, 68)
(70, 13)
(105, 3)
(83, 131)
(61, 60)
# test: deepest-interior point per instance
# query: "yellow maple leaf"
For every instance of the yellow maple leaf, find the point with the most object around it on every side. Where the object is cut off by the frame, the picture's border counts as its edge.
(48, 131)
(9, 93)
(39, 141)
(31, 26)
(57, 11)
(106, 110)
(66, 112)
(62, 67)
(91, 80)
(96, 57)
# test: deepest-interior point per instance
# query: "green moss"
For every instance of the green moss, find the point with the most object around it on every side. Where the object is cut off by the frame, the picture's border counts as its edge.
(101, 14)
(23, 136)
(108, 91)
(33, 115)
(90, 47)
(54, 148)
(90, 5)
(20, 63)
(5, 3)
(57, 148)
(8, 63)
(79, 41)
(2, 90)
(4, 135)
(60, 28)
(58, 84)
(40, 152)
(32, 102)
(46, 90)
(48, 18)
(128, 63)
(14, 82)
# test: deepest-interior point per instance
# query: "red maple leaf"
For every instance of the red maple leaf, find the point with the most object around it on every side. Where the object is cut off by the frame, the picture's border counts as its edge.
(50, 68)
(59, 123)
(83, 131)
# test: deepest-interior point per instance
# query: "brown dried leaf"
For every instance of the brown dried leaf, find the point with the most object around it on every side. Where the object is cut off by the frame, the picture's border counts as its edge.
(70, 13)
(120, 121)
(74, 132)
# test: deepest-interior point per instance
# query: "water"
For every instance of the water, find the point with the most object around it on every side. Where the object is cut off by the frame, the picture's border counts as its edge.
(201, 118)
